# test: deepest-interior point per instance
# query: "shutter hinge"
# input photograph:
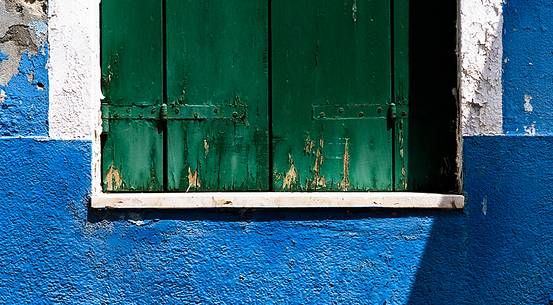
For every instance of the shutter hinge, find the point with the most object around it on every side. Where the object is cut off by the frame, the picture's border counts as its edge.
(163, 115)
(397, 112)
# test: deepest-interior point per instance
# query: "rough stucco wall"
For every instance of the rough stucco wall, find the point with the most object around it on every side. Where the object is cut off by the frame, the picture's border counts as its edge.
(23, 74)
(75, 47)
(480, 56)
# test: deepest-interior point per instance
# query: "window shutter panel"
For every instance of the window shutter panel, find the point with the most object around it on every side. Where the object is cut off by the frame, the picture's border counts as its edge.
(132, 84)
(217, 87)
(332, 91)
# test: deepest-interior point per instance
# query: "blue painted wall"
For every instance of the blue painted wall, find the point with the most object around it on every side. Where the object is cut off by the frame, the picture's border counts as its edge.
(24, 112)
(499, 250)
(528, 62)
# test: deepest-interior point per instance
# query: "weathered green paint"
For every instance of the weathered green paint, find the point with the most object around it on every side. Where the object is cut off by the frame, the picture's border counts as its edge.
(340, 91)
(335, 55)
(401, 92)
(217, 56)
(132, 152)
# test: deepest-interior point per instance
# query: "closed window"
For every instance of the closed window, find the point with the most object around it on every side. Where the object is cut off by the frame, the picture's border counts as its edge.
(255, 95)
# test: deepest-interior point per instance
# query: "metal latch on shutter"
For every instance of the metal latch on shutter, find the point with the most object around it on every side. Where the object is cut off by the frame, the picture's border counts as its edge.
(164, 112)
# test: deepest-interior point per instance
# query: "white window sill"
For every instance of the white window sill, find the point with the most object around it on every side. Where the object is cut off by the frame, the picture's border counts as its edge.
(276, 200)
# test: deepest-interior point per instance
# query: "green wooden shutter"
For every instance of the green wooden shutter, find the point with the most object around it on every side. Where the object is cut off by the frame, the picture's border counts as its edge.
(217, 93)
(332, 91)
(132, 154)
(339, 78)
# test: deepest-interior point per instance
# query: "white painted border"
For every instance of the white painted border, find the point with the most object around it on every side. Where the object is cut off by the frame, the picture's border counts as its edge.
(74, 69)
(276, 200)
(74, 75)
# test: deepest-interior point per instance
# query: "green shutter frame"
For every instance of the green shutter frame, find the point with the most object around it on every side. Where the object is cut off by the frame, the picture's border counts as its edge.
(339, 85)
(132, 53)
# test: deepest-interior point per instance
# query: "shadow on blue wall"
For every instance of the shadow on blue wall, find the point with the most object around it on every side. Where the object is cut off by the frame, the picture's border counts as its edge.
(501, 251)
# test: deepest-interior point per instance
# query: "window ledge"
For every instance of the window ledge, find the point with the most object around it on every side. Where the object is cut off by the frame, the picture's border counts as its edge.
(277, 200)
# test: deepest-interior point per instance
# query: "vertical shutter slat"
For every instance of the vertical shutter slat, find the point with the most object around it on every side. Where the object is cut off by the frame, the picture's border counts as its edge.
(132, 75)
(331, 92)
(217, 56)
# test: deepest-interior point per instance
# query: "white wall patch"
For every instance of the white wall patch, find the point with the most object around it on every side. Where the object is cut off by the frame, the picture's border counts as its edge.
(480, 59)
(74, 68)
(527, 103)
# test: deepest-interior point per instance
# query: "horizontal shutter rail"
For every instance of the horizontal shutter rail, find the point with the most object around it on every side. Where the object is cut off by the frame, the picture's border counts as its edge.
(351, 111)
(236, 113)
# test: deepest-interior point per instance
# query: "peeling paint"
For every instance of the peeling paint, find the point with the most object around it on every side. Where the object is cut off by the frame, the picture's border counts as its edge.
(24, 99)
(308, 147)
(193, 179)
(291, 176)
(344, 184)
(318, 180)
(401, 140)
(22, 29)
(480, 56)
(40, 28)
(206, 148)
(527, 103)
(530, 130)
(114, 181)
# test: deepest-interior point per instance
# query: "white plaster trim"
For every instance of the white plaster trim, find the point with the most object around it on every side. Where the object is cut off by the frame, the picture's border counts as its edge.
(276, 200)
(480, 61)
(74, 68)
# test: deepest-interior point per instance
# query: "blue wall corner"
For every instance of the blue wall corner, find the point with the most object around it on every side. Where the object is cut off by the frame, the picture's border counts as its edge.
(527, 66)
(24, 111)
(3, 56)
